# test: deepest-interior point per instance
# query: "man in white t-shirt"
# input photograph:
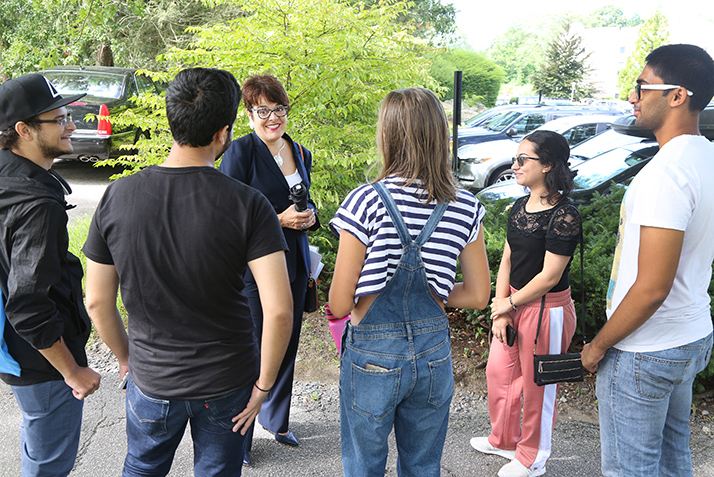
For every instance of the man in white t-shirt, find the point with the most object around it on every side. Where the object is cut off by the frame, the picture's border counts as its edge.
(659, 330)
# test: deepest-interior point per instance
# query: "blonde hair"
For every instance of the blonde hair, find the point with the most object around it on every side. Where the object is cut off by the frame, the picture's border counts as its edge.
(413, 139)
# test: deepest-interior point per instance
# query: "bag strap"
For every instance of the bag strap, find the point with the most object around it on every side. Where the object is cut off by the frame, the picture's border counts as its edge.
(582, 284)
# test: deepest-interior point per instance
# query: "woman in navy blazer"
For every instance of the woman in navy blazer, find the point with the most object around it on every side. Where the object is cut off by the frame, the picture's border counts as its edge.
(268, 160)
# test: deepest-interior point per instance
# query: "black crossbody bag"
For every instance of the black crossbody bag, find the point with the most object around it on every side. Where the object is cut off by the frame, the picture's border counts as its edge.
(560, 368)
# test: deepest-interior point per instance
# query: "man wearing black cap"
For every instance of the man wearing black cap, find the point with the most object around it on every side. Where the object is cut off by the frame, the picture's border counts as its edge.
(40, 280)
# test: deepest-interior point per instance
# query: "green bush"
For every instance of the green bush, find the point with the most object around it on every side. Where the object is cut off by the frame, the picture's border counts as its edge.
(600, 224)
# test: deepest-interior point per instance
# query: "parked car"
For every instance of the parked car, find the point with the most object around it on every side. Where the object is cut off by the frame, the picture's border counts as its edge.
(108, 92)
(487, 163)
(516, 123)
(617, 165)
(484, 116)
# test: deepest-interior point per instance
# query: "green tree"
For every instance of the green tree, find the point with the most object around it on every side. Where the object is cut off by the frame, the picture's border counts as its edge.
(610, 16)
(482, 77)
(105, 32)
(565, 71)
(430, 19)
(653, 33)
(337, 63)
(518, 51)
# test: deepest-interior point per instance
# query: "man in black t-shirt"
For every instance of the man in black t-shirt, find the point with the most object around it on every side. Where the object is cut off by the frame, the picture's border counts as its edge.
(177, 238)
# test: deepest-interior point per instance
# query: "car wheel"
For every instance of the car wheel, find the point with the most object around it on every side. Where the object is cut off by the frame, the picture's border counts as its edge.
(502, 176)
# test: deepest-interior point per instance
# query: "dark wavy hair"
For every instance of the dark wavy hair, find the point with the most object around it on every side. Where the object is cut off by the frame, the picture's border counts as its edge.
(553, 150)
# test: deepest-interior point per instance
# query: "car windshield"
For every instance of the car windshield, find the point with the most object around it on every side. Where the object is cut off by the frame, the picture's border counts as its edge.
(99, 85)
(606, 166)
(603, 142)
(479, 118)
(499, 122)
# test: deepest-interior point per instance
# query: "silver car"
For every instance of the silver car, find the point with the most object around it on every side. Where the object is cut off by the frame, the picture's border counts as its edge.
(484, 164)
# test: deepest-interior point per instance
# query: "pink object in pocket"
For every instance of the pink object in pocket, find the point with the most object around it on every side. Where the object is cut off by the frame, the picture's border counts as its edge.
(337, 326)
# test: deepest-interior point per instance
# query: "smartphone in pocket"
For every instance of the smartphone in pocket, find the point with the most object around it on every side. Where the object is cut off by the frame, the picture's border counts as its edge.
(510, 335)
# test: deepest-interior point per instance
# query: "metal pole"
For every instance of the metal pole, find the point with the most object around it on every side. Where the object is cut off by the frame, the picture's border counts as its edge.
(457, 121)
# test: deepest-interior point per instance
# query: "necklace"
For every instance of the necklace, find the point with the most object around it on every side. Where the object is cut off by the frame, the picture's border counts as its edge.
(278, 158)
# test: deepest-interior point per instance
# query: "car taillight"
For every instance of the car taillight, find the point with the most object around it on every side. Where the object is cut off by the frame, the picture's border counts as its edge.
(105, 127)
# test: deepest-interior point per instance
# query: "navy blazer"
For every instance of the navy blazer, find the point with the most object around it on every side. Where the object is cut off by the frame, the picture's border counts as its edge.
(248, 160)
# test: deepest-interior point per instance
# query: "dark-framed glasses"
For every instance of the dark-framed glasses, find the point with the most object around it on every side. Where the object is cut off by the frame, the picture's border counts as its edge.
(264, 113)
(660, 87)
(521, 159)
(61, 121)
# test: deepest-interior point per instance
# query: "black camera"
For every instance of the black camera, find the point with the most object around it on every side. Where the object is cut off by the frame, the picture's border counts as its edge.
(298, 195)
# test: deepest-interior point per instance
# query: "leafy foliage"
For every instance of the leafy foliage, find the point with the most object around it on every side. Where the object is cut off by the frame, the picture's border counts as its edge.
(610, 16)
(131, 32)
(482, 77)
(431, 19)
(336, 61)
(519, 52)
(565, 72)
(653, 33)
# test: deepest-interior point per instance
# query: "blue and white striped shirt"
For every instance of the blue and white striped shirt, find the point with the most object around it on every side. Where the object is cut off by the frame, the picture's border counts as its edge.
(363, 214)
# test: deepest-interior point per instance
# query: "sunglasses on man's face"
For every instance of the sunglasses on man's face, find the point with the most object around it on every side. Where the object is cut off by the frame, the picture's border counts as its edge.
(659, 87)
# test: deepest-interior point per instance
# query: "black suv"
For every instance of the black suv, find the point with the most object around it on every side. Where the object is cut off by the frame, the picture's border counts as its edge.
(517, 123)
(108, 92)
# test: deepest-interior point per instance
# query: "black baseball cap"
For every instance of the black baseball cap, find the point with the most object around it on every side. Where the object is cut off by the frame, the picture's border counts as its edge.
(27, 96)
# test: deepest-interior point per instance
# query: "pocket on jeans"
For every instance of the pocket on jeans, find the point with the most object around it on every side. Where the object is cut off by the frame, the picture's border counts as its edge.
(442, 381)
(374, 392)
(655, 377)
(148, 413)
(224, 409)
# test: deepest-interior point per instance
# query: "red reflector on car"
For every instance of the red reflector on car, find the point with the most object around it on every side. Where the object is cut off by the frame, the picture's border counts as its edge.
(77, 103)
(105, 127)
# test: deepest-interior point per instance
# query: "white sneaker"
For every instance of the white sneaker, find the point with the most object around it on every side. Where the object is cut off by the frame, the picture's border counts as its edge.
(516, 469)
(481, 444)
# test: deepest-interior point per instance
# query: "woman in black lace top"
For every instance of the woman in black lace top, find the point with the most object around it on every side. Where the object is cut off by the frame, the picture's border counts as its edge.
(543, 232)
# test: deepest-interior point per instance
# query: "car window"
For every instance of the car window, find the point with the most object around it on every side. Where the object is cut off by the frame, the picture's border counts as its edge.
(604, 167)
(99, 85)
(146, 85)
(131, 89)
(529, 123)
(580, 133)
(501, 121)
(603, 142)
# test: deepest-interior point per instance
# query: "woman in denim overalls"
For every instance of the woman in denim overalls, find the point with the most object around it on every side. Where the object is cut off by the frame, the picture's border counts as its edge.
(398, 262)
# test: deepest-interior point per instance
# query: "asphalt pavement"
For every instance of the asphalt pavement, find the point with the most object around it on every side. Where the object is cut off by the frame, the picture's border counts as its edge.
(103, 442)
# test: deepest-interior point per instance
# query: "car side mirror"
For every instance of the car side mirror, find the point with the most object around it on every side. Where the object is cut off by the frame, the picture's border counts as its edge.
(512, 132)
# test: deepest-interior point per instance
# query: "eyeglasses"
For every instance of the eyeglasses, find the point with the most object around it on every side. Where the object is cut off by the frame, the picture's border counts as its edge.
(61, 121)
(264, 113)
(660, 87)
(522, 159)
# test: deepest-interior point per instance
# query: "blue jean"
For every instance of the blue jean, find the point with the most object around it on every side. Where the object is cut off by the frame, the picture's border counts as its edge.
(51, 424)
(155, 427)
(645, 400)
(396, 372)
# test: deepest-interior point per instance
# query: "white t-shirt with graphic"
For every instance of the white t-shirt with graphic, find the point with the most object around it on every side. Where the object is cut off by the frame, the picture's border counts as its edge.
(674, 191)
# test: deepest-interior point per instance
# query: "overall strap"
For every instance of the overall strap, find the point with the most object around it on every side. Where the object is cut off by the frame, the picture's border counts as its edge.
(398, 221)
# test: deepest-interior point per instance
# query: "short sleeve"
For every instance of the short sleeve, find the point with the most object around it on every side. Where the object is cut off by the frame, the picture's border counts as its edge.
(564, 234)
(354, 213)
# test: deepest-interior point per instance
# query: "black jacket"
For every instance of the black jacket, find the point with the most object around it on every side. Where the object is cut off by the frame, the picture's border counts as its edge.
(41, 281)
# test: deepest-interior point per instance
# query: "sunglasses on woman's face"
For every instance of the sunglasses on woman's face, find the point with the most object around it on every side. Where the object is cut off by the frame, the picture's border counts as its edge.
(521, 159)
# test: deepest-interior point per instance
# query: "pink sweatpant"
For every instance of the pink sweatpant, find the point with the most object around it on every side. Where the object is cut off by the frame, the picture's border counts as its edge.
(509, 375)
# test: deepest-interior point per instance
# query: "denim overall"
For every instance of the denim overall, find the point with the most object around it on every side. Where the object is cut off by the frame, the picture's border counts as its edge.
(396, 369)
